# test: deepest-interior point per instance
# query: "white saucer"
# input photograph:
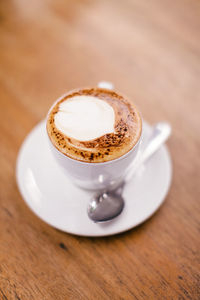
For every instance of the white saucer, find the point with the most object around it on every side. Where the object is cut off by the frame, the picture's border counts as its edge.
(54, 199)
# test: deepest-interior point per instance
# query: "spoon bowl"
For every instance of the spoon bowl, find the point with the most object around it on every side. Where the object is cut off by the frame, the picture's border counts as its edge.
(105, 206)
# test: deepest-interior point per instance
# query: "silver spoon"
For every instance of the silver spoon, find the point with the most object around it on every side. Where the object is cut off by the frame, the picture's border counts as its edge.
(110, 203)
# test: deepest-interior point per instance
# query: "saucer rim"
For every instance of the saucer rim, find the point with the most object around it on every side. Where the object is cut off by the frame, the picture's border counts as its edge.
(114, 232)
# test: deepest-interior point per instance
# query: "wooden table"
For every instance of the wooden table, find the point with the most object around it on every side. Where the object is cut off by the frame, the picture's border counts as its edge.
(151, 51)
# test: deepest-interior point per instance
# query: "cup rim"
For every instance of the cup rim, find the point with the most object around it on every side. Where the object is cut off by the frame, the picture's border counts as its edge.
(85, 162)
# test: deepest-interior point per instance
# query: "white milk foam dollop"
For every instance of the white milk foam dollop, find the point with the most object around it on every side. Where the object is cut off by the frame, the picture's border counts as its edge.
(85, 118)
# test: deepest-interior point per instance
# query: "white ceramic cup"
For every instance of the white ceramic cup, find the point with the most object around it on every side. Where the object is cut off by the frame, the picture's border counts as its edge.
(95, 176)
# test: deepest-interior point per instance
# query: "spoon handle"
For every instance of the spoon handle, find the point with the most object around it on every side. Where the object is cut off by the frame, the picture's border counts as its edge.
(161, 132)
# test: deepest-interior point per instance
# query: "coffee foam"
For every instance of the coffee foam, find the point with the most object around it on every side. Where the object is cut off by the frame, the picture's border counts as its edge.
(85, 118)
(116, 138)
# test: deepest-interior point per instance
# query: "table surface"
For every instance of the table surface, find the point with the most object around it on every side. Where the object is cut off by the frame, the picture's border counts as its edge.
(151, 51)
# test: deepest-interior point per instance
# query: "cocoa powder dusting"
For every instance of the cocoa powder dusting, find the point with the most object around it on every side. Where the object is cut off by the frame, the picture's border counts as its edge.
(108, 146)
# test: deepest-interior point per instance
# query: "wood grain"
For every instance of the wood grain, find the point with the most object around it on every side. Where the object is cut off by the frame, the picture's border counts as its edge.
(151, 51)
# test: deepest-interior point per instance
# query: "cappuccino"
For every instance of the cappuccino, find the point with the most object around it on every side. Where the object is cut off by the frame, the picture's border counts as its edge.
(94, 125)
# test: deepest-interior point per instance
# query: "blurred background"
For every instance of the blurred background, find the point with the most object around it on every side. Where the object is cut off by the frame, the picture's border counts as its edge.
(150, 51)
